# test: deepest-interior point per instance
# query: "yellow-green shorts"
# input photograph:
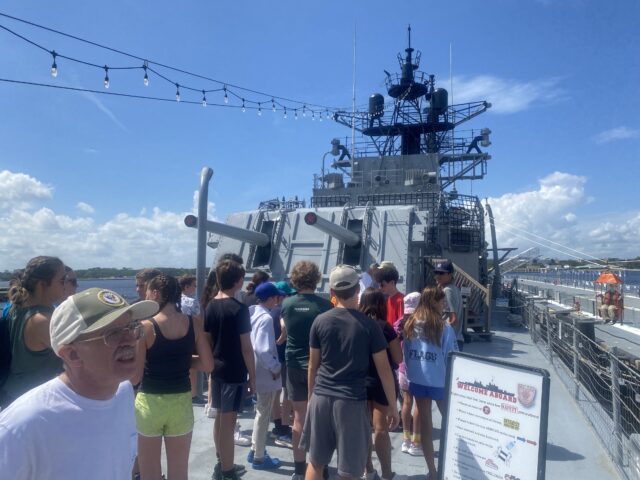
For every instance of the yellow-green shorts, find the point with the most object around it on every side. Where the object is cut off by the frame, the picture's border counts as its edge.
(167, 414)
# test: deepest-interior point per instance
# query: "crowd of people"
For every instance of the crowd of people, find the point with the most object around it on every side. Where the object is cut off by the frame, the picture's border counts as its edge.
(96, 385)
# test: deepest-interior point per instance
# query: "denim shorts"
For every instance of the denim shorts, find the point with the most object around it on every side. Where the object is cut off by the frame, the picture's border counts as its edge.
(422, 391)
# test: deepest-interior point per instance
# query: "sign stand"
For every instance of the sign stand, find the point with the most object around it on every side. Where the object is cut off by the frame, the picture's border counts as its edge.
(495, 420)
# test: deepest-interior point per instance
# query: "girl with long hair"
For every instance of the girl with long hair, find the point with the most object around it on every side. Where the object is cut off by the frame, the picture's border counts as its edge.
(33, 295)
(163, 404)
(374, 305)
(427, 343)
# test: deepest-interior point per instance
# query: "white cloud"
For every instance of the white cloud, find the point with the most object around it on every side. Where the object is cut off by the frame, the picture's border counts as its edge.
(506, 95)
(85, 207)
(152, 238)
(544, 217)
(18, 190)
(614, 134)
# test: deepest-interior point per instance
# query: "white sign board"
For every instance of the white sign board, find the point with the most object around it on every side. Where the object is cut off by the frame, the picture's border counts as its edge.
(495, 425)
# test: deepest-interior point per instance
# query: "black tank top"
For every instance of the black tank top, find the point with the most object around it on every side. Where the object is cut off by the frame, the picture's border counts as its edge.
(166, 369)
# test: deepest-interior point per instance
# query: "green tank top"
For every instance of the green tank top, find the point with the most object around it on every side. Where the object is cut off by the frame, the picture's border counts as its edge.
(28, 368)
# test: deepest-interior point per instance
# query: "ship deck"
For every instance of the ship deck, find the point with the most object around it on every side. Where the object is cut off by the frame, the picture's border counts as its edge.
(573, 450)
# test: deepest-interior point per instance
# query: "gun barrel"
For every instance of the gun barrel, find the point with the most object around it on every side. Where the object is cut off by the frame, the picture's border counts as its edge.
(344, 235)
(256, 238)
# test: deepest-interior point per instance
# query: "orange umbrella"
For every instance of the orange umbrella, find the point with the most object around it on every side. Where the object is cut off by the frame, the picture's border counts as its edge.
(609, 277)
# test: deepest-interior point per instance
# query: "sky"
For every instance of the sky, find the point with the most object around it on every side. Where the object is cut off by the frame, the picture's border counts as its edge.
(106, 181)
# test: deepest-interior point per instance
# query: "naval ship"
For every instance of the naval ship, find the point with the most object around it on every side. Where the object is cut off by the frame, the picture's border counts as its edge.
(390, 195)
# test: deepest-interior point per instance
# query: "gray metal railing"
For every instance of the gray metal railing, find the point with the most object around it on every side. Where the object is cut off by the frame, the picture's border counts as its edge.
(605, 381)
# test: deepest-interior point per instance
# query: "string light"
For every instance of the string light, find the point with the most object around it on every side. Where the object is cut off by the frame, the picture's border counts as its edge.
(149, 65)
(313, 115)
(54, 67)
(320, 116)
(285, 113)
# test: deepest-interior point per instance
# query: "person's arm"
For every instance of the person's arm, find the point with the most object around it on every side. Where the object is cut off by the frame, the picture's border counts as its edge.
(386, 378)
(283, 333)
(249, 361)
(314, 363)
(204, 360)
(451, 308)
(36, 332)
(141, 350)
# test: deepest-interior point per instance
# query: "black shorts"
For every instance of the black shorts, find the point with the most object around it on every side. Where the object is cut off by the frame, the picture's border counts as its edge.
(228, 397)
(297, 386)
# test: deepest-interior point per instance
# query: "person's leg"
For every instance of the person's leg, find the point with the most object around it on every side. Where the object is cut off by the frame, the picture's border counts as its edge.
(424, 408)
(299, 413)
(149, 451)
(178, 456)
(261, 424)
(225, 446)
(407, 419)
(381, 440)
(276, 413)
(314, 472)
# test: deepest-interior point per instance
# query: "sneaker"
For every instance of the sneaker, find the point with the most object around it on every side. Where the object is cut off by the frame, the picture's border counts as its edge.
(297, 476)
(284, 441)
(209, 411)
(371, 476)
(240, 439)
(415, 450)
(406, 445)
(252, 453)
(198, 400)
(217, 474)
(267, 463)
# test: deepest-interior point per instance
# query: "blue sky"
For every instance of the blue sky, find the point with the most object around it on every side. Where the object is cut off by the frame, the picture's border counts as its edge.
(106, 181)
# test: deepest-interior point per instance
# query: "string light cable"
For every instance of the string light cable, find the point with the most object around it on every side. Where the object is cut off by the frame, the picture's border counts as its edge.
(150, 66)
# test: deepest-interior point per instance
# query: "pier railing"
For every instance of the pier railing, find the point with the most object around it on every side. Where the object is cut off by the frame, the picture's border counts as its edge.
(605, 382)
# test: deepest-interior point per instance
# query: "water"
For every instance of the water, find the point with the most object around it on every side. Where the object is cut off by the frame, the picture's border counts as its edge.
(124, 286)
(580, 278)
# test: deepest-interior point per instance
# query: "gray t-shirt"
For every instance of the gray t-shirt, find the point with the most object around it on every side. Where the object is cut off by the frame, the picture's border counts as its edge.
(453, 303)
(346, 338)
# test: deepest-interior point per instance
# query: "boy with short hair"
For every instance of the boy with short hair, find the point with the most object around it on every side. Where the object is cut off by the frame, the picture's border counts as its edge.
(227, 321)
(387, 277)
(341, 341)
(268, 367)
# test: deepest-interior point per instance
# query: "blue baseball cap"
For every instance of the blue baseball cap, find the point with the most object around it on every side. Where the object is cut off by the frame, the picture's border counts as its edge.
(267, 290)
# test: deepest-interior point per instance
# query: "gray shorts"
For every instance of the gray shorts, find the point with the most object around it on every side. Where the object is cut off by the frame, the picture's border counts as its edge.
(228, 397)
(348, 432)
(297, 386)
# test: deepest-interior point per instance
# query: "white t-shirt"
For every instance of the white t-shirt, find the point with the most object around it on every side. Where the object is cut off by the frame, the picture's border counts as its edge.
(52, 433)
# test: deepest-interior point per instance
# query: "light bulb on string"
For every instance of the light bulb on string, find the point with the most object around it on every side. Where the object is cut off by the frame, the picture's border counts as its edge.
(259, 110)
(285, 112)
(243, 107)
(204, 99)
(304, 110)
(327, 114)
(273, 105)
(295, 113)
(177, 92)
(226, 97)
(145, 80)
(313, 115)
(320, 116)
(54, 67)
(106, 76)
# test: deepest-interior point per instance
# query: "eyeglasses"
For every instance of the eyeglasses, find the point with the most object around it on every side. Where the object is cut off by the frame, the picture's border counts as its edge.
(114, 337)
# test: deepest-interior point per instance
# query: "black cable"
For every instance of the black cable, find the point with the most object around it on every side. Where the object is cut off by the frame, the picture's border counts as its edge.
(175, 69)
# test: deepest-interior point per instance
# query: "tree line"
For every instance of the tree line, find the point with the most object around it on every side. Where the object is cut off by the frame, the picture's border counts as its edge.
(102, 272)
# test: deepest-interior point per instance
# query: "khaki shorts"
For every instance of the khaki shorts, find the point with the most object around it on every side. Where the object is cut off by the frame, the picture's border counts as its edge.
(166, 414)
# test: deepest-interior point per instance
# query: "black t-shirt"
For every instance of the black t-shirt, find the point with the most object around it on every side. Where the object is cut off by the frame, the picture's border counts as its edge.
(373, 379)
(226, 319)
(346, 339)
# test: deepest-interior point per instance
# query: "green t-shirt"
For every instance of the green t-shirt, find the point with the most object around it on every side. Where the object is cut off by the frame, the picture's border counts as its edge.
(298, 313)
